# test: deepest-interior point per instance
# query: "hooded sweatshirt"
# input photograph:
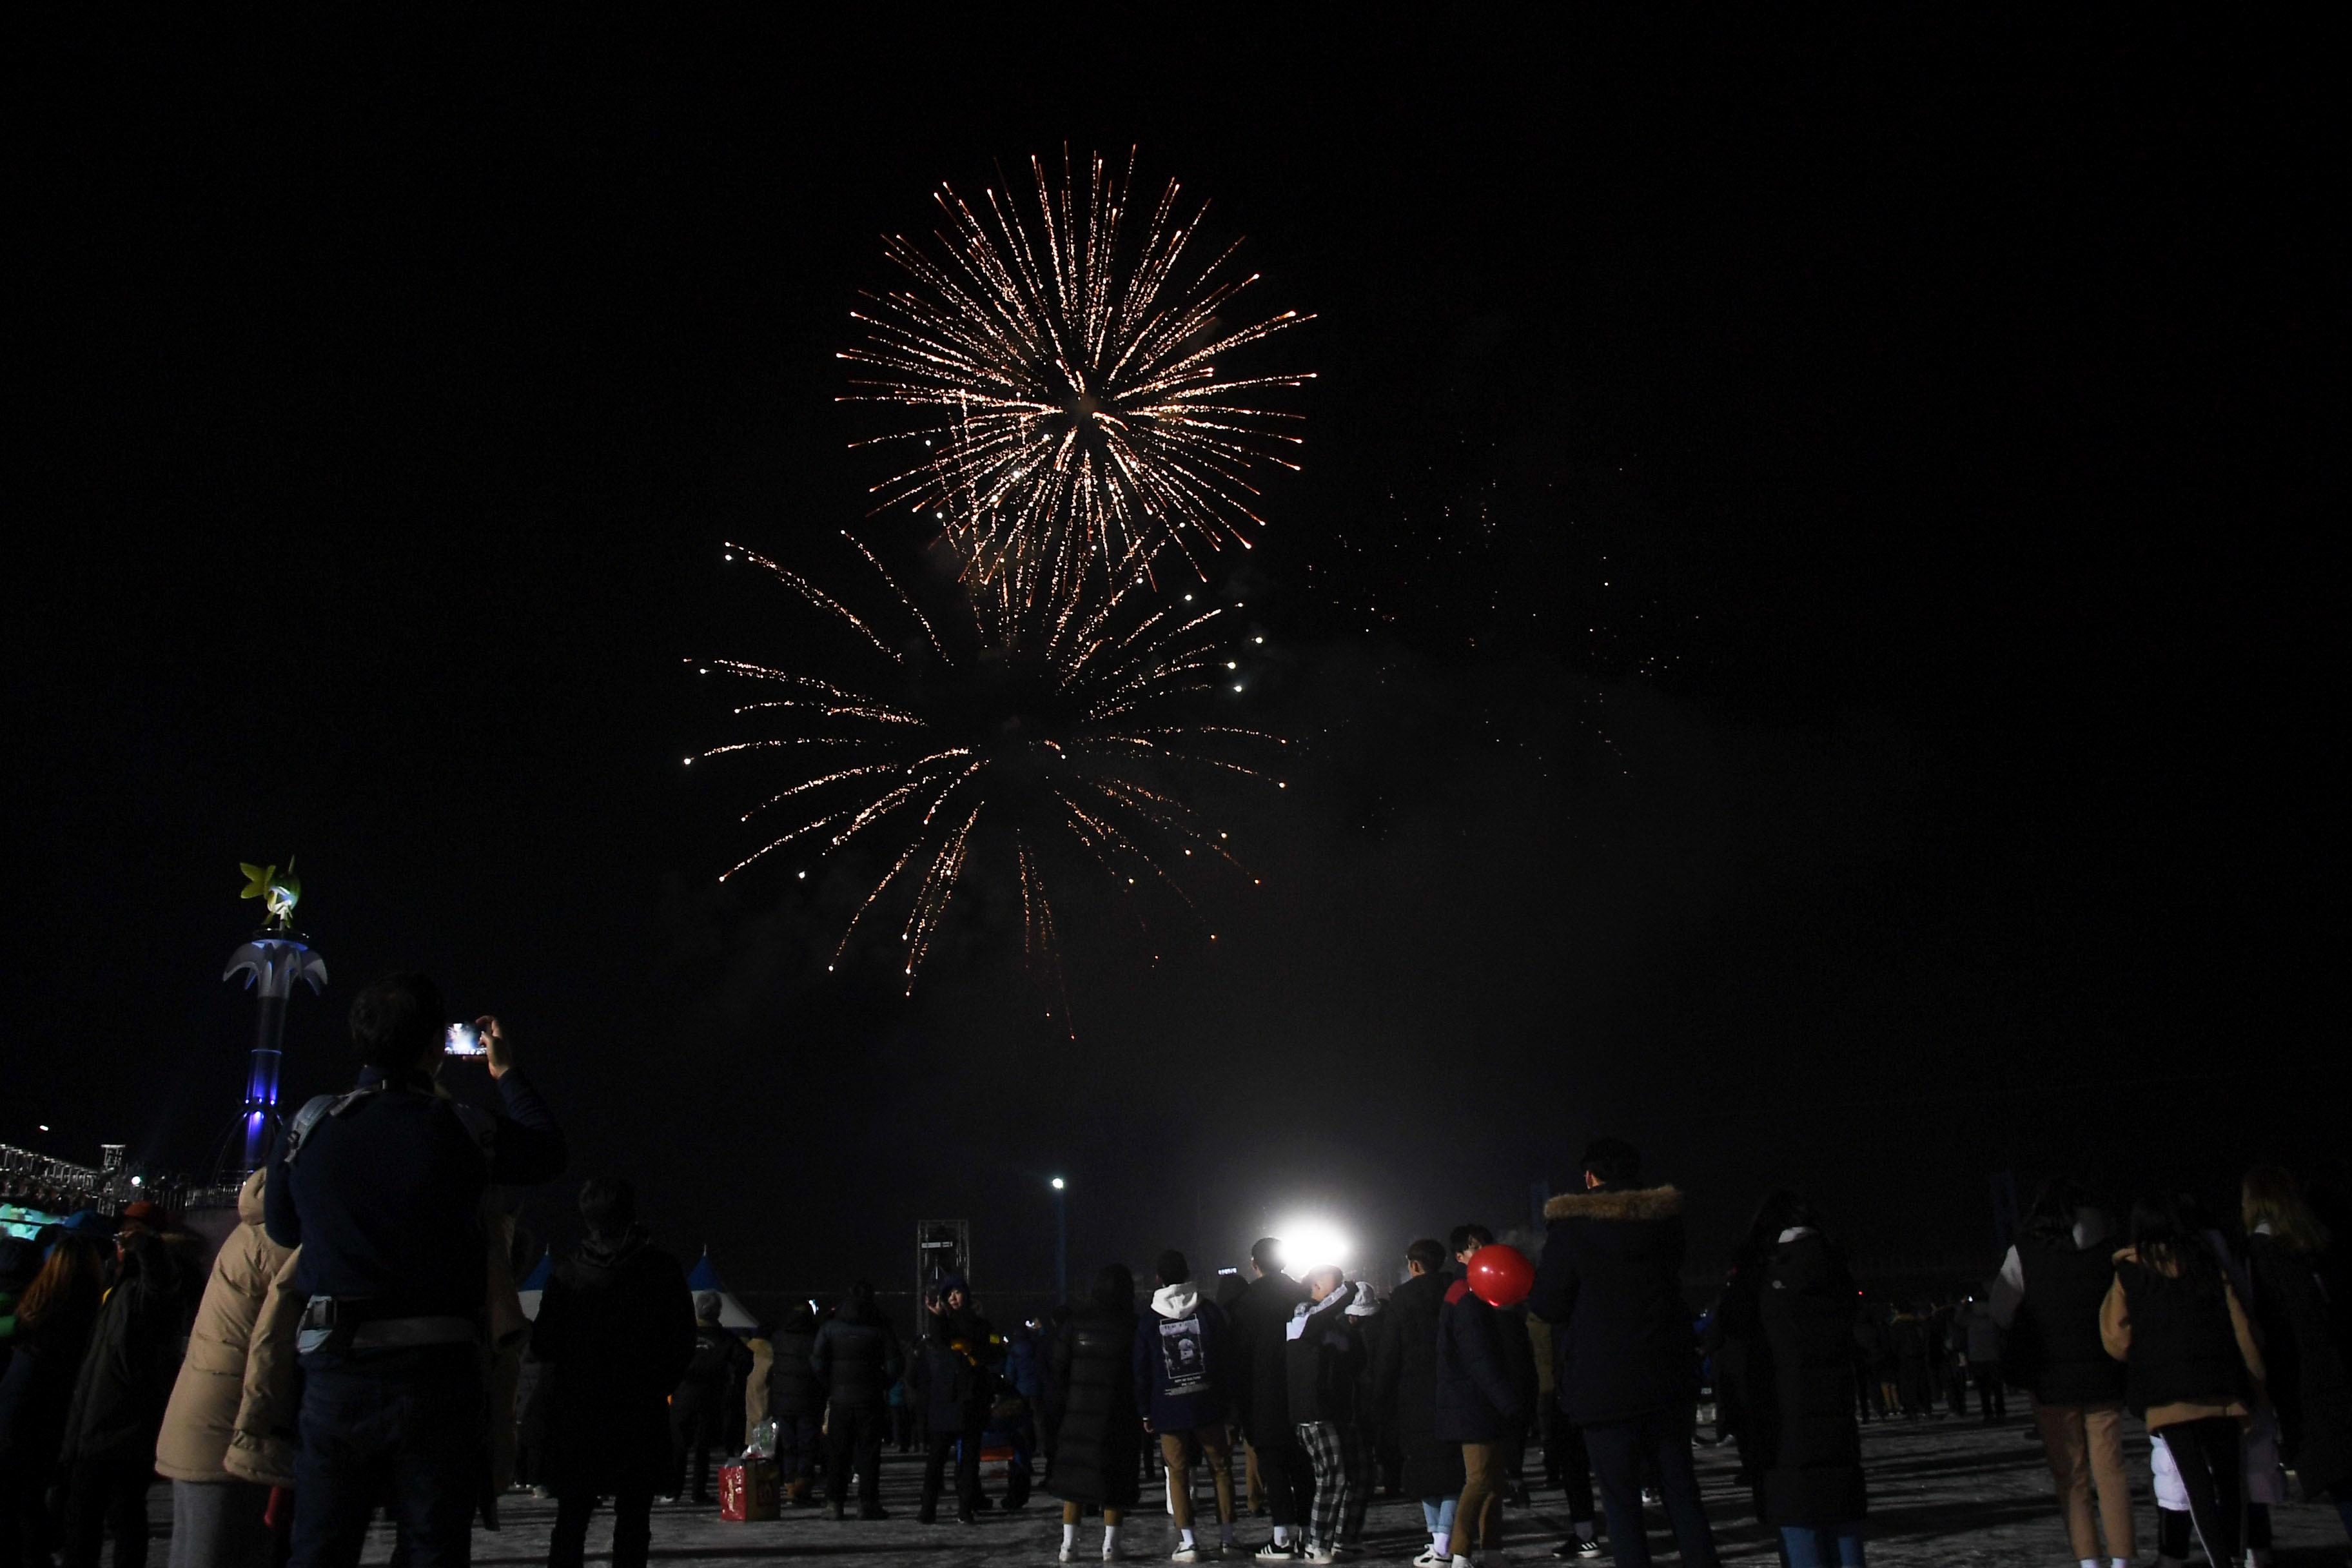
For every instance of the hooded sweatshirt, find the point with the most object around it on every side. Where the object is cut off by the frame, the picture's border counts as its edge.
(1184, 1360)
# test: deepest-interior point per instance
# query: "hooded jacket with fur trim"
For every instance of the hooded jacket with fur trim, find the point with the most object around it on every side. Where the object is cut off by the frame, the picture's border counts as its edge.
(1610, 1284)
(1184, 1360)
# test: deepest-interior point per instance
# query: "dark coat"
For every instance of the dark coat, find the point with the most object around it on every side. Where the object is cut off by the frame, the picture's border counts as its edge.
(1181, 1328)
(2054, 1350)
(615, 1332)
(1322, 1357)
(955, 1371)
(1261, 1395)
(794, 1392)
(1478, 1400)
(1742, 1363)
(1807, 1446)
(386, 1200)
(35, 1392)
(2302, 1315)
(1090, 1394)
(857, 1358)
(126, 1375)
(1518, 1358)
(1610, 1283)
(2184, 1346)
(1405, 1383)
(720, 1358)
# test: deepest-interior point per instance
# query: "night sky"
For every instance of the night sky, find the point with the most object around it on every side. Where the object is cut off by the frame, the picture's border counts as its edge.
(1803, 620)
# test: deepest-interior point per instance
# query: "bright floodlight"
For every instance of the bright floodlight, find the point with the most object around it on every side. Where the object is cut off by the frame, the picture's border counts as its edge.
(1059, 1183)
(1310, 1244)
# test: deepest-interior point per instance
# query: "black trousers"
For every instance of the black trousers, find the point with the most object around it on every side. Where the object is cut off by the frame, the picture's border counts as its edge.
(1621, 1451)
(104, 1496)
(694, 1423)
(936, 1448)
(798, 1440)
(1567, 1461)
(1989, 1393)
(1287, 1477)
(633, 1528)
(2212, 1471)
(856, 1443)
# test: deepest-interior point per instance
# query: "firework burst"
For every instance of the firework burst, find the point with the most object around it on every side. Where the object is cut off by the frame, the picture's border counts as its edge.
(1070, 381)
(1025, 732)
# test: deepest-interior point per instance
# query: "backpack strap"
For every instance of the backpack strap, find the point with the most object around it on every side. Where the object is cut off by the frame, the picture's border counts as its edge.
(318, 1108)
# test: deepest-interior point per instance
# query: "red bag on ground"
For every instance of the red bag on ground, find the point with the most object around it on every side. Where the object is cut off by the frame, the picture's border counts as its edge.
(747, 1491)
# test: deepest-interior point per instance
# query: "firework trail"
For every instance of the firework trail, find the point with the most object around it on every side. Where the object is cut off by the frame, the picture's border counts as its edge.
(1073, 404)
(1021, 728)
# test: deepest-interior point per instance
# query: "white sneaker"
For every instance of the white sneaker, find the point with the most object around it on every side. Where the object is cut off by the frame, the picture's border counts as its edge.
(1067, 1554)
(1185, 1554)
(1319, 1553)
(1430, 1559)
(1461, 1561)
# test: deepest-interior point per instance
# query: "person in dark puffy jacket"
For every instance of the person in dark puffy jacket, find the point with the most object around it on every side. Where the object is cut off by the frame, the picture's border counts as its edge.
(796, 1403)
(1183, 1357)
(2047, 1295)
(120, 1396)
(1477, 1404)
(1090, 1384)
(698, 1410)
(2303, 1302)
(1808, 1446)
(1611, 1285)
(1405, 1383)
(615, 1331)
(956, 1376)
(1325, 1357)
(856, 1362)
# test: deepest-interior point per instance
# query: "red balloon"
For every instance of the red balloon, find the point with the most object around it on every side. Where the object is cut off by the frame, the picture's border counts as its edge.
(1501, 1276)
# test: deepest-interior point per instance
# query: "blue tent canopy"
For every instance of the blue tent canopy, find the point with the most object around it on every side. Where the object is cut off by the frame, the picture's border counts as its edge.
(704, 1275)
(537, 1278)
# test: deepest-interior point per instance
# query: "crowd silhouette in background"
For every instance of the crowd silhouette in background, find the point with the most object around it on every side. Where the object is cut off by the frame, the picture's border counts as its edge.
(358, 1348)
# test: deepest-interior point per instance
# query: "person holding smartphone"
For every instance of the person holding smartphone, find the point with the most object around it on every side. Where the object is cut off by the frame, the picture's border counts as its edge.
(381, 1188)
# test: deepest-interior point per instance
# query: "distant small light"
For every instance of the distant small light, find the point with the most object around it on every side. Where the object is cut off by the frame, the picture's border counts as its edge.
(138, 1181)
(1231, 664)
(689, 762)
(44, 1127)
(802, 875)
(1237, 685)
(1188, 599)
(1257, 640)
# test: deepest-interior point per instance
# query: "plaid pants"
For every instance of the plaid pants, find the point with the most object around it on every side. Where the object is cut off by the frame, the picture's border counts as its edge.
(1342, 1458)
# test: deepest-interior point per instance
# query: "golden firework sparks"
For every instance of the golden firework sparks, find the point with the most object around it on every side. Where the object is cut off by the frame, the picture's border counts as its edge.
(1077, 407)
(1003, 723)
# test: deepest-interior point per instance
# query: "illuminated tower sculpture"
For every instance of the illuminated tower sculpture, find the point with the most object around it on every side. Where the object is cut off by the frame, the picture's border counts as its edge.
(275, 957)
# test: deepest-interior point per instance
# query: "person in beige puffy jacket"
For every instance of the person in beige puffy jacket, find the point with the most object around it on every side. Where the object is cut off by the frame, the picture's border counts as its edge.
(216, 1516)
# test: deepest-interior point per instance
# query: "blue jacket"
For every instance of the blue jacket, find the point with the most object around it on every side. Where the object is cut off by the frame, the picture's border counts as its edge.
(384, 1200)
(1185, 1361)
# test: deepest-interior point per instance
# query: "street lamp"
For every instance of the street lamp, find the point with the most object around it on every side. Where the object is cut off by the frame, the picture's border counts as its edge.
(1061, 1240)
